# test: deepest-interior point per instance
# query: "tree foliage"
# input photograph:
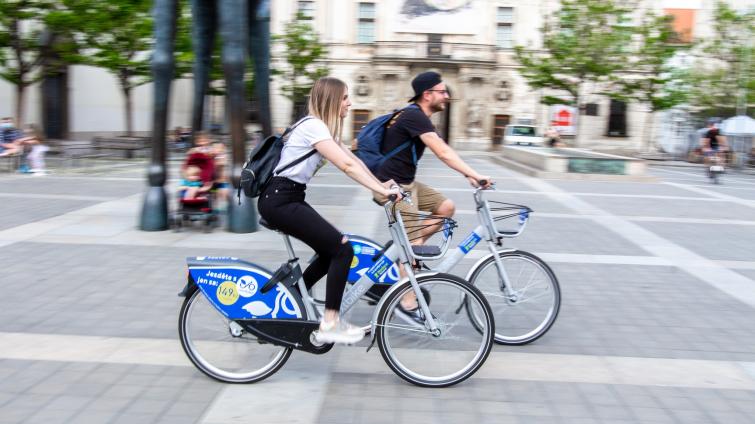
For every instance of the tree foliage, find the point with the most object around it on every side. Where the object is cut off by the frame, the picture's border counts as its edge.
(726, 68)
(303, 53)
(652, 79)
(21, 24)
(584, 42)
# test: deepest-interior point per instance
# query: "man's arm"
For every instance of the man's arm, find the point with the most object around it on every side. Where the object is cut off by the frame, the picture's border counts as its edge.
(449, 156)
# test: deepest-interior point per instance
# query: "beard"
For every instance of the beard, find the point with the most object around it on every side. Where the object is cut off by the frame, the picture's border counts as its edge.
(438, 107)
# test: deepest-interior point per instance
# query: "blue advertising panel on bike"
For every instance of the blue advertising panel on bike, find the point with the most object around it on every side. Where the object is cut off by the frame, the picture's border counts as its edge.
(364, 252)
(470, 242)
(234, 287)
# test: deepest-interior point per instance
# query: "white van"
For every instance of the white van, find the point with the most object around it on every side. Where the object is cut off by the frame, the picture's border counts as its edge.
(522, 134)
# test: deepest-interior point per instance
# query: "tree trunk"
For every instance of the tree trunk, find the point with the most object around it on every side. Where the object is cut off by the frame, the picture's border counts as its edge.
(647, 136)
(129, 117)
(577, 123)
(20, 91)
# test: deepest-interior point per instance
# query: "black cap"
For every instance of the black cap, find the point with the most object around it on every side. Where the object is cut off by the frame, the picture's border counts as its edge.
(423, 82)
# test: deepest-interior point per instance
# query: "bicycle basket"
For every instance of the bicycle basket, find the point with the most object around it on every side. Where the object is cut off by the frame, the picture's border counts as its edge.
(510, 218)
(417, 225)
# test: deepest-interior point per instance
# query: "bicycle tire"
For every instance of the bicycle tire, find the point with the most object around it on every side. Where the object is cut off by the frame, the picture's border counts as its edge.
(504, 312)
(200, 360)
(447, 308)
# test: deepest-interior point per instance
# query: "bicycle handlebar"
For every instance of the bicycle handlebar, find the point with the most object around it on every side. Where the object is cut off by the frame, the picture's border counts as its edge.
(405, 194)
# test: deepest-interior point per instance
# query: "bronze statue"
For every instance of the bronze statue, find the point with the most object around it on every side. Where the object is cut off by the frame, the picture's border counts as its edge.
(242, 24)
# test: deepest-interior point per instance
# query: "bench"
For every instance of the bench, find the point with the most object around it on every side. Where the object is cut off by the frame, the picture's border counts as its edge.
(126, 147)
(11, 162)
(70, 153)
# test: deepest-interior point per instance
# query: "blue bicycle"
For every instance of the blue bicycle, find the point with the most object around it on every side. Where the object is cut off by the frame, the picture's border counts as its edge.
(239, 322)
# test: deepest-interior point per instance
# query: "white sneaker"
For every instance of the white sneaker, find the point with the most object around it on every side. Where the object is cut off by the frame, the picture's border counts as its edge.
(338, 332)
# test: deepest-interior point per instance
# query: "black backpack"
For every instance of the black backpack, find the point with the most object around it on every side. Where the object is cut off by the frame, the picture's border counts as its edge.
(263, 160)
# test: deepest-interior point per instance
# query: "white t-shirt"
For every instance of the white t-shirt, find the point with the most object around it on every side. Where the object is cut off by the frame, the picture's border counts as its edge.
(301, 141)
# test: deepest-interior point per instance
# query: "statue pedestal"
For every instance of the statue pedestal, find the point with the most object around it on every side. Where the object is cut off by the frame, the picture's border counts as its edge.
(154, 210)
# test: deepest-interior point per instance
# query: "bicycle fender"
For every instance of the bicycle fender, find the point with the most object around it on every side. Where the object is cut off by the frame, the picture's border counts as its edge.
(394, 287)
(189, 288)
(483, 259)
(233, 287)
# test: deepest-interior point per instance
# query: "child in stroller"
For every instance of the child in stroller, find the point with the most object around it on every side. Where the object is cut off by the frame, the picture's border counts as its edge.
(195, 196)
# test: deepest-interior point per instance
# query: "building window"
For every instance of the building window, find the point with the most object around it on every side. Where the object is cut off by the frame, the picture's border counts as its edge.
(504, 27)
(306, 10)
(591, 109)
(361, 117)
(366, 23)
(617, 119)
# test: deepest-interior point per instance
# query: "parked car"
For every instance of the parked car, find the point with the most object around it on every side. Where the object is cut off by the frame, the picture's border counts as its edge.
(522, 134)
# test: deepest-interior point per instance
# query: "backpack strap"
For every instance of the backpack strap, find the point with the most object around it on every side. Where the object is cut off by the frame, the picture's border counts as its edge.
(403, 145)
(284, 138)
(289, 130)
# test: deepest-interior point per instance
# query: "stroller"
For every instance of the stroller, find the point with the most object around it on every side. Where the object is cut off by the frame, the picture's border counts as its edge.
(199, 208)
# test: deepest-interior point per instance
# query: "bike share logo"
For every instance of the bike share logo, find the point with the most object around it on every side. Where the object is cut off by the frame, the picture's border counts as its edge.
(283, 302)
(470, 242)
(246, 286)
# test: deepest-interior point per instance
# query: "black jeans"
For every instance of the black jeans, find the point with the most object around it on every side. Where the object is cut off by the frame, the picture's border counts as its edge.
(282, 205)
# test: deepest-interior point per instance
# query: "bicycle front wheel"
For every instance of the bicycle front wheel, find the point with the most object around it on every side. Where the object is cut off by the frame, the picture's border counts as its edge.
(527, 307)
(451, 353)
(221, 349)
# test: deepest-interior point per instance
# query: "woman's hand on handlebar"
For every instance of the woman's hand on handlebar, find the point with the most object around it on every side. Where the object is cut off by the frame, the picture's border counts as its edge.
(481, 181)
(389, 184)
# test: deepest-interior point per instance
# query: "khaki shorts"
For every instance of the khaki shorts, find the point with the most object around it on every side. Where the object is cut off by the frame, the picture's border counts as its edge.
(424, 198)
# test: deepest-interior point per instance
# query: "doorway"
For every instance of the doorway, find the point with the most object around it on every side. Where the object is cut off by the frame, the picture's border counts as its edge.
(499, 126)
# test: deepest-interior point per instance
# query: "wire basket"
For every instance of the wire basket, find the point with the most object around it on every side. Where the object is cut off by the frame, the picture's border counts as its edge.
(510, 218)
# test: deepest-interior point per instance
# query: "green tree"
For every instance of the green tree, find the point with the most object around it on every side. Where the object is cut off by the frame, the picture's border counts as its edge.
(21, 24)
(584, 44)
(115, 36)
(652, 80)
(304, 54)
(725, 78)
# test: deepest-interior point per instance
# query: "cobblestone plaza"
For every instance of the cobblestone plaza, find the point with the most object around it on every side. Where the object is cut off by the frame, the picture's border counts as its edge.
(656, 324)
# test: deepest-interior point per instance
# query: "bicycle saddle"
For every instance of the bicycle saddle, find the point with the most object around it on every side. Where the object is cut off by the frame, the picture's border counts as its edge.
(267, 225)
(423, 250)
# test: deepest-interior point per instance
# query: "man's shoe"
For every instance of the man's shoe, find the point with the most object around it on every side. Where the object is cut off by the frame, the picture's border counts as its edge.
(415, 314)
(338, 332)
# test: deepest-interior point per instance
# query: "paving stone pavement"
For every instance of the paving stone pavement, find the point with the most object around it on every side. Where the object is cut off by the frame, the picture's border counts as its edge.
(88, 312)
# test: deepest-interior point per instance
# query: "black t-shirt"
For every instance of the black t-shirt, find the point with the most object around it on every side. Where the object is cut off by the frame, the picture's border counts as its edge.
(712, 137)
(410, 124)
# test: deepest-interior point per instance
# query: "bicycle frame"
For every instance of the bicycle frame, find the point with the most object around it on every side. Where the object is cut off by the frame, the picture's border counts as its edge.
(400, 251)
(486, 230)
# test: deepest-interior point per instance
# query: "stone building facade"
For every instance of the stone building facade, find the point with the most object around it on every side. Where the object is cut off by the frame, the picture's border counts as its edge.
(378, 46)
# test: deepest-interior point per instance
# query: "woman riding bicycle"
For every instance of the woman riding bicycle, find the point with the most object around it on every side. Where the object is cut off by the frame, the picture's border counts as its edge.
(283, 206)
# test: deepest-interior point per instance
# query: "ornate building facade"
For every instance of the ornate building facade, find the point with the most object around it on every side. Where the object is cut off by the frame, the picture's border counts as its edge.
(378, 46)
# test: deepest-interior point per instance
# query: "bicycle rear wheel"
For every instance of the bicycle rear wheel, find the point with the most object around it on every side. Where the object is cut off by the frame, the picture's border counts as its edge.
(528, 307)
(452, 354)
(221, 349)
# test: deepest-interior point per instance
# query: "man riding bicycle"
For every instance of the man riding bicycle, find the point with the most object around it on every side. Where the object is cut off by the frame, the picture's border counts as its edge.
(713, 144)
(413, 123)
